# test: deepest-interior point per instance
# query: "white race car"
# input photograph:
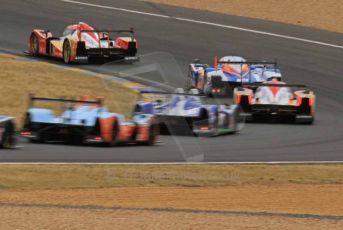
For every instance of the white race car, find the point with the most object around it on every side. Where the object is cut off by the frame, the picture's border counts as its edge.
(186, 113)
(229, 72)
(276, 99)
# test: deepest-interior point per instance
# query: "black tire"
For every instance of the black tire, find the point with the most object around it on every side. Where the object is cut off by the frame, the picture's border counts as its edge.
(239, 119)
(8, 138)
(34, 44)
(66, 52)
(189, 80)
(244, 103)
(153, 132)
(115, 132)
(204, 91)
(137, 109)
(229, 91)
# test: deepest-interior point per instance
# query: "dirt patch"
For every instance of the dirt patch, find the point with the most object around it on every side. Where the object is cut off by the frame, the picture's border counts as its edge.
(326, 14)
(288, 198)
(21, 77)
(55, 218)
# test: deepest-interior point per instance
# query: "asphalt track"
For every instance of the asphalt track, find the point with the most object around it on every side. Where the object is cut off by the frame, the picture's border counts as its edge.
(171, 43)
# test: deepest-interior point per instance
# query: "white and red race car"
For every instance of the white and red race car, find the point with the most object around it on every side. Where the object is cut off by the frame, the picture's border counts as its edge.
(82, 43)
(276, 99)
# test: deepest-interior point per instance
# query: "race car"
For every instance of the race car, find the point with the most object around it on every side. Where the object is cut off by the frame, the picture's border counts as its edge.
(227, 73)
(86, 121)
(276, 99)
(185, 113)
(7, 132)
(82, 43)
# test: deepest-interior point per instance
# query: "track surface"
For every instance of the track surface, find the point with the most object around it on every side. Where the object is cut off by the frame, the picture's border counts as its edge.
(318, 66)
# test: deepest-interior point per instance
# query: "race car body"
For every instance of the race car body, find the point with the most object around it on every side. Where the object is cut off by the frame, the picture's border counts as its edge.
(7, 132)
(84, 121)
(83, 43)
(229, 72)
(276, 99)
(187, 114)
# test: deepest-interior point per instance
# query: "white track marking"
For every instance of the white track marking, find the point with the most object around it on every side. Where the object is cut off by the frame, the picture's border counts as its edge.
(206, 23)
(178, 163)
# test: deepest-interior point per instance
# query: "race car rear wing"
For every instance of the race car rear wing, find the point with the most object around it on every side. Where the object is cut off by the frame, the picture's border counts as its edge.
(32, 99)
(249, 63)
(131, 50)
(130, 31)
(265, 63)
(171, 93)
(274, 85)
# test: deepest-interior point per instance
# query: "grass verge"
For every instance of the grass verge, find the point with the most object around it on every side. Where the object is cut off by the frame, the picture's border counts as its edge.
(325, 15)
(130, 190)
(102, 176)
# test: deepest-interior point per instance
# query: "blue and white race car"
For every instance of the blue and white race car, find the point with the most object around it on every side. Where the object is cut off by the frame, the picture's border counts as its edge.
(229, 72)
(187, 114)
(85, 121)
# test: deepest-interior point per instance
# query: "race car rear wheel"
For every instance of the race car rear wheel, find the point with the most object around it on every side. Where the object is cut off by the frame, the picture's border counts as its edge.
(66, 52)
(115, 132)
(34, 44)
(189, 80)
(207, 90)
(239, 119)
(8, 138)
(153, 133)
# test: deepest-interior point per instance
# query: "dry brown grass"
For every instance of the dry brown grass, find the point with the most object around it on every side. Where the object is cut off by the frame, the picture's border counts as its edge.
(20, 78)
(97, 176)
(322, 14)
(57, 218)
(130, 196)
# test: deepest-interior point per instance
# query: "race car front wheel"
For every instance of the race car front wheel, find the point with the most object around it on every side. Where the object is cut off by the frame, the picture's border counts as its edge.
(66, 52)
(34, 44)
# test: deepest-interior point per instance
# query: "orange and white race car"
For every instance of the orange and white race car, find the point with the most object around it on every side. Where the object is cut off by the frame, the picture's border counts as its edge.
(82, 43)
(276, 99)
